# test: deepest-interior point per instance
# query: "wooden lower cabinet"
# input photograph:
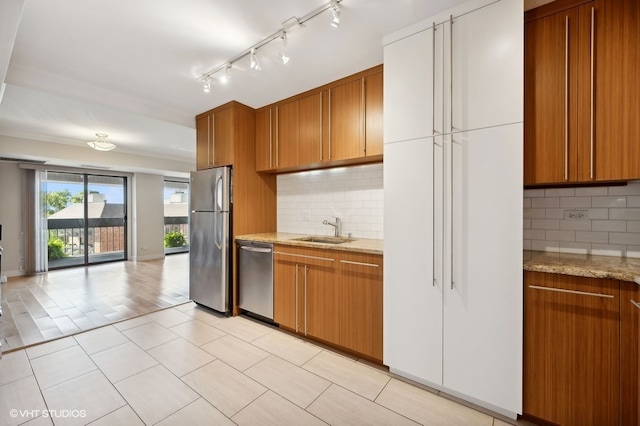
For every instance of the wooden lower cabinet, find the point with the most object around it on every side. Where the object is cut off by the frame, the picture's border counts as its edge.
(571, 349)
(361, 301)
(630, 351)
(332, 296)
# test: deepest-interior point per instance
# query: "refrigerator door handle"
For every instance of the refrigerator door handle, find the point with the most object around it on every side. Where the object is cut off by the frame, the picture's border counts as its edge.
(217, 231)
(219, 194)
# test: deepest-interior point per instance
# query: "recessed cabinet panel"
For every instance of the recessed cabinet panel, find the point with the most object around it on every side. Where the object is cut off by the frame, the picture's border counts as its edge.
(408, 76)
(346, 116)
(310, 122)
(287, 134)
(204, 150)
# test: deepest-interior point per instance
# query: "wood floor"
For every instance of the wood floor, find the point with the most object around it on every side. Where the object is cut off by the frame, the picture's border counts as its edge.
(64, 302)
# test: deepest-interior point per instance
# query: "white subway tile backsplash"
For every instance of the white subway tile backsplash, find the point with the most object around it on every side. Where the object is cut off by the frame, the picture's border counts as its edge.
(624, 238)
(576, 248)
(611, 226)
(554, 213)
(560, 235)
(534, 213)
(545, 202)
(591, 192)
(545, 224)
(575, 202)
(633, 201)
(592, 237)
(624, 214)
(533, 193)
(559, 192)
(354, 194)
(575, 225)
(609, 201)
(608, 250)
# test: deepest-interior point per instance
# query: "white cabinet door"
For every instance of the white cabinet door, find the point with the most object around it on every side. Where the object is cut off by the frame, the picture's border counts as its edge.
(483, 311)
(412, 300)
(487, 68)
(408, 87)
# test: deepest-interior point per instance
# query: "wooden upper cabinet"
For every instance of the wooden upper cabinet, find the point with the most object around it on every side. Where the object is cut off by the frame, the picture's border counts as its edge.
(204, 149)
(616, 90)
(310, 125)
(346, 120)
(373, 114)
(287, 134)
(581, 92)
(550, 124)
(265, 159)
(214, 139)
(223, 137)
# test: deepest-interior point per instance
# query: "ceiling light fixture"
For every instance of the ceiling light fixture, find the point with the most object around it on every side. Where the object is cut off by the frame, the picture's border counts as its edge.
(101, 143)
(335, 11)
(283, 53)
(255, 63)
(206, 85)
(279, 34)
(227, 74)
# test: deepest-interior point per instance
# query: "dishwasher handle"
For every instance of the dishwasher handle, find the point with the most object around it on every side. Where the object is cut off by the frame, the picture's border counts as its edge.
(256, 249)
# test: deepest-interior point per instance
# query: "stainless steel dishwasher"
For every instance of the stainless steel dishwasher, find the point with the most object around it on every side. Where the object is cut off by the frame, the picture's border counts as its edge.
(255, 279)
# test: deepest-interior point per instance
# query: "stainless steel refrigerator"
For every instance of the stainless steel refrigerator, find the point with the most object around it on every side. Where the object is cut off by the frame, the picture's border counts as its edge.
(210, 235)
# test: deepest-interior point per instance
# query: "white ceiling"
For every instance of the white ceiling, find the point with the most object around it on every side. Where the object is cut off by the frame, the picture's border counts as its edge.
(130, 68)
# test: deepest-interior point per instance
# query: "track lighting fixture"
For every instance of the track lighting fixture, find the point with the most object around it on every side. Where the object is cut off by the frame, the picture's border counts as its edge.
(255, 63)
(288, 25)
(101, 144)
(283, 52)
(335, 11)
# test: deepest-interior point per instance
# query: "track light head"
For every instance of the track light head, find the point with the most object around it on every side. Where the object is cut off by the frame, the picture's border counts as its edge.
(255, 63)
(283, 54)
(227, 74)
(335, 11)
(206, 86)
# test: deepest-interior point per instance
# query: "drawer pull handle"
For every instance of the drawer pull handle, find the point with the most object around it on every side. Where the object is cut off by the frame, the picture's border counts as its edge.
(305, 256)
(371, 265)
(581, 293)
(636, 304)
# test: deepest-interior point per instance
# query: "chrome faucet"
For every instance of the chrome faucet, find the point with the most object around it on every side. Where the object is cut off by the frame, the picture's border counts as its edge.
(337, 225)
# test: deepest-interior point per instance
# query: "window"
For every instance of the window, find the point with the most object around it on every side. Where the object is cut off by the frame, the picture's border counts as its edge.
(176, 217)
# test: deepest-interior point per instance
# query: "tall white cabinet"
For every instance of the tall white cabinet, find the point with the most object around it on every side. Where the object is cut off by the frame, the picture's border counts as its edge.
(453, 94)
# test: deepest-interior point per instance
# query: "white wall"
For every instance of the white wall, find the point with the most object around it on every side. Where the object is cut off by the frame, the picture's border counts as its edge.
(354, 194)
(611, 227)
(147, 223)
(12, 188)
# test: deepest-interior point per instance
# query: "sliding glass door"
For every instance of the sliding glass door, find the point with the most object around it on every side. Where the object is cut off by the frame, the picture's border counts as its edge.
(86, 218)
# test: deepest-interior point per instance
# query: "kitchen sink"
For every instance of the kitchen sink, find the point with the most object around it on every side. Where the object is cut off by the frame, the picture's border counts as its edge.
(322, 239)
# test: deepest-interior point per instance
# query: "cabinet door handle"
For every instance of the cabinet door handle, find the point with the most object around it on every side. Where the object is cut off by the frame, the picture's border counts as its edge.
(363, 127)
(452, 194)
(320, 126)
(593, 28)
(297, 316)
(451, 71)
(634, 303)
(329, 129)
(350, 262)
(580, 293)
(566, 98)
(305, 301)
(328, 259)
(433, 80)
(270, 138)
(277, 139)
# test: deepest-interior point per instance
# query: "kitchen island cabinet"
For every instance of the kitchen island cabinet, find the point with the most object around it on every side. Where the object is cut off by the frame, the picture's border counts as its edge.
(332, 296)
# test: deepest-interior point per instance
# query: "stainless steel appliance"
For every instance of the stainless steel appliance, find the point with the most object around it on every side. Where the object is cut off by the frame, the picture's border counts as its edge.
(210, 235)
(255, 278)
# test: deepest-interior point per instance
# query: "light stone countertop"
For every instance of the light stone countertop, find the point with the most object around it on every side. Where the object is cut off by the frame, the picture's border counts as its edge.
(358, 245)
(583, 265)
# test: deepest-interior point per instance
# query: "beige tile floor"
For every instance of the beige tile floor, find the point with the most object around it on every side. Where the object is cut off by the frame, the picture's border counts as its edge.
(187, 366)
